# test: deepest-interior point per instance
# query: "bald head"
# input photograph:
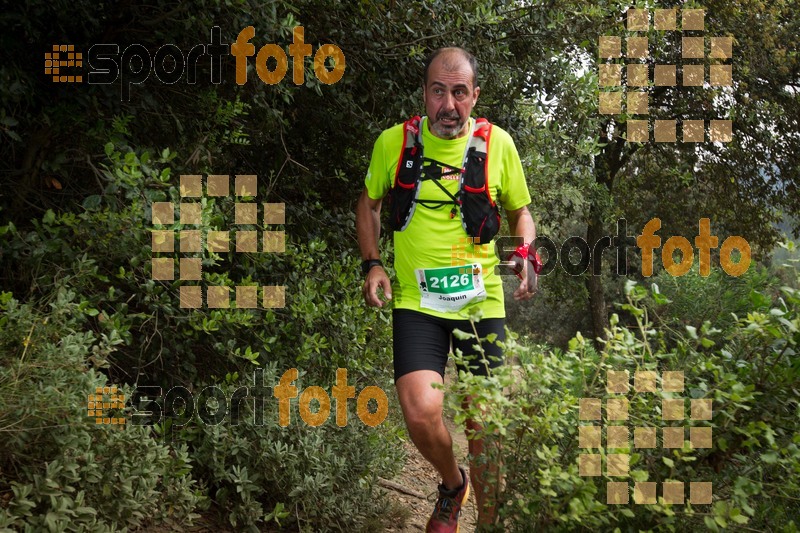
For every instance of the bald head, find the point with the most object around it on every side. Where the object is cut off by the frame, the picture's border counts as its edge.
(450, 91)
(451, 58)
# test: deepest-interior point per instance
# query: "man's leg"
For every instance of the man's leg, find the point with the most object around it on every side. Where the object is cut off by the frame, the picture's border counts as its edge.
(421, 345)
(422, 410)
(484, 477)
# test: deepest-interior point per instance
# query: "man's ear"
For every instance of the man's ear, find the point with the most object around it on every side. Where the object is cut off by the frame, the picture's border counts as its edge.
(477, 91)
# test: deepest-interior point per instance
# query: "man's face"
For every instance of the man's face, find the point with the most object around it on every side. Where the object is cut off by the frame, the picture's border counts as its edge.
(449, 96)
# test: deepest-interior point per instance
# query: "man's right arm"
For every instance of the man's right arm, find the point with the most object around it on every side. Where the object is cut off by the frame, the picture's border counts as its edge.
(368, 228)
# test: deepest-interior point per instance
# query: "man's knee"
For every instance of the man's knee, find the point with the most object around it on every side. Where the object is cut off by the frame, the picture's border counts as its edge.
(421, 403)
(423, 410)
(423, 417)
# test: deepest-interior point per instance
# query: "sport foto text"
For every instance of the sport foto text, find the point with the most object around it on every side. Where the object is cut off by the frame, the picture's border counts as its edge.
(133, 65)
(149, 405)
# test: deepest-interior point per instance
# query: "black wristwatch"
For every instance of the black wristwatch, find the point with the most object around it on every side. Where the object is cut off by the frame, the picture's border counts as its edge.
(367, 265)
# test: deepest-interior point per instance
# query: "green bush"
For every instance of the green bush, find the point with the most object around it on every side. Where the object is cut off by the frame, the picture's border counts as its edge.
(65, 472)
(750, 371)
(310, 478)
(321, 477)
(693, 299)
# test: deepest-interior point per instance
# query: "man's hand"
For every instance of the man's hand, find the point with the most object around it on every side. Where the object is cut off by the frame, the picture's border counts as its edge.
(376, 277)
(521, 224)
(526, 290)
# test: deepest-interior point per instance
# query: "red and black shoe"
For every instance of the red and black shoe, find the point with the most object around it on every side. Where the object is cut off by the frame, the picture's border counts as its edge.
(445, 515)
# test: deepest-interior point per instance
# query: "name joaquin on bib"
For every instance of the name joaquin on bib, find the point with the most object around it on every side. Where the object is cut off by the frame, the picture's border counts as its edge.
(453, 298)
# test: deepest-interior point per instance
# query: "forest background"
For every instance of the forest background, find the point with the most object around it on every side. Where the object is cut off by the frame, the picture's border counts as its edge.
(81, 166)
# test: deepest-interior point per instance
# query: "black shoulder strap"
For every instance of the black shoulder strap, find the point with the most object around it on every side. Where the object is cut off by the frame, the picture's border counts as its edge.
(406, 179)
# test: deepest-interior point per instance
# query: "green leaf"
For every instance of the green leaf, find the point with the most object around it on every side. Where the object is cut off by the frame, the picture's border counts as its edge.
(771, 457)
(91, 202)
(462, 335)
(660, 299)
(738, 517)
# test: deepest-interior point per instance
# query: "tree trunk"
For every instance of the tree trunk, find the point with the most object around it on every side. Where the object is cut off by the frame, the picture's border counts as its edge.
(594, 281)
(29, 174)
(606, 166)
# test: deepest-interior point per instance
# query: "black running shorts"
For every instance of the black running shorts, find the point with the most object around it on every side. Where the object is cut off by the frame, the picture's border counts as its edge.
(422, 342)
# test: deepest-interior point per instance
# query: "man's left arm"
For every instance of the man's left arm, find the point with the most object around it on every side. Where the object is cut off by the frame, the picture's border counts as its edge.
(514, 199)
(520, 222)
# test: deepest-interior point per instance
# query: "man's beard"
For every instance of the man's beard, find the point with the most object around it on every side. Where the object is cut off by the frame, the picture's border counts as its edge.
(448, 132)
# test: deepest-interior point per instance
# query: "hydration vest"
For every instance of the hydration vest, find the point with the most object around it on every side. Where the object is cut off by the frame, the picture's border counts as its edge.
(480, 215)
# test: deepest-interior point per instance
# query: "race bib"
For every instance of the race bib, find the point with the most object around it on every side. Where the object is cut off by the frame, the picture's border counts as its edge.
(449, 289)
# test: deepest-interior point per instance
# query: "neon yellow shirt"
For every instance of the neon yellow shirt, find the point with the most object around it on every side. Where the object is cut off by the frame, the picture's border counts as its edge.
(434, 239)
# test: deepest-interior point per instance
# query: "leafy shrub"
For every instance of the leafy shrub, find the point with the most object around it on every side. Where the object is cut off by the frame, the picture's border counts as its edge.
(255, 473)
(750, 371)
(65, 472)
(692, 299)
(312, 478)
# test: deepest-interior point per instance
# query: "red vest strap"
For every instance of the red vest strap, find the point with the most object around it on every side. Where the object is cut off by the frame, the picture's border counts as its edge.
(482, 129)
(410, 132)
(412, 124)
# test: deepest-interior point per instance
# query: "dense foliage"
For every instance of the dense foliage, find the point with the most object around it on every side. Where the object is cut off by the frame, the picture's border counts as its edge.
(748, 368)
(81, 165)
(100, 313)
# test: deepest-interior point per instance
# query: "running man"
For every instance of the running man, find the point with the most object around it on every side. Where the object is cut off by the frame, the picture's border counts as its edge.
(433, 169)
